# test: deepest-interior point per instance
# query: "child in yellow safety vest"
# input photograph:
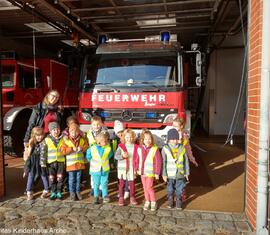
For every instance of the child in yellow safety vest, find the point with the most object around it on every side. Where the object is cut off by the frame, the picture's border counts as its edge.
(126, 155)
(149, 167)
(99, 155)
(74, 147)
(179, 124)
(55, 160)
(175, 168)
(96, 127)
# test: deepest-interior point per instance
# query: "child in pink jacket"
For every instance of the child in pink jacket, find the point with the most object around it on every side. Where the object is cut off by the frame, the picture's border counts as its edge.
(149, 167)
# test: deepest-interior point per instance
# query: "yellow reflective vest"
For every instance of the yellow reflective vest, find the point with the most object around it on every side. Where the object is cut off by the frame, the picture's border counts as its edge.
(98, 163)
(54, 153)
(174, 164)
(91, 138)
(148, 163)
(75, 157)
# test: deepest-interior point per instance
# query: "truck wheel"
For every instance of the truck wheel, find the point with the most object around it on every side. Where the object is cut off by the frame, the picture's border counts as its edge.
(18, 133)
(8, 149)
(13, 140)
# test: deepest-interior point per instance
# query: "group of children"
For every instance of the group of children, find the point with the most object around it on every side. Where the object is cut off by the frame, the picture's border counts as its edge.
(69, 151)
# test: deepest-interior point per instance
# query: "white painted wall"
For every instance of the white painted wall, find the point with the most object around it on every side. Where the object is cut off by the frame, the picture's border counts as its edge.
(224, 77)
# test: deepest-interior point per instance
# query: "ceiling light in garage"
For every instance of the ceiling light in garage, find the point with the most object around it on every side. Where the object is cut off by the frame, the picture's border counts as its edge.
(7, 6)
(43, 27)
(85, 42)
(152, 23)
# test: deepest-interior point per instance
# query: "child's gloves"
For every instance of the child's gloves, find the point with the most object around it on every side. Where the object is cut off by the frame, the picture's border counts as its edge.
(165, 178)
(157, 177)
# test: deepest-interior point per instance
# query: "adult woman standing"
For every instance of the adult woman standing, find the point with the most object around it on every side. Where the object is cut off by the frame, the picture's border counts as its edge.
(43, 113)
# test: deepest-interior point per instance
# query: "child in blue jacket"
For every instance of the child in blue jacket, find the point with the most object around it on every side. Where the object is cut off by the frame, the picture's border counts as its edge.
(99, 155)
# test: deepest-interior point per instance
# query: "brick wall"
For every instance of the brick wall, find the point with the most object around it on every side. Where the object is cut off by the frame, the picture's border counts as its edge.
(2, 187)
(253, 111)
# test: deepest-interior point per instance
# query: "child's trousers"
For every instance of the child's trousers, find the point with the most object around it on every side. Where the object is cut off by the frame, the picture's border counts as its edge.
(74, 181)
(100, 180)
(177, 186)
(148, 189)
(30, 181)
(56, 176)
(131, 185)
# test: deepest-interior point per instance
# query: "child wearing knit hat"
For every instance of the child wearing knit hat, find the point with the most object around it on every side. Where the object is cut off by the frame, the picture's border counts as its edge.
(175, 168)
(55, 160)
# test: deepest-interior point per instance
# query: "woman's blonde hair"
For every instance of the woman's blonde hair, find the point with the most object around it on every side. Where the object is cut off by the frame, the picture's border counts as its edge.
(179, 120)
(46, 98)
(36, 131)
(131, 132)
(144, 133)
(104, 135)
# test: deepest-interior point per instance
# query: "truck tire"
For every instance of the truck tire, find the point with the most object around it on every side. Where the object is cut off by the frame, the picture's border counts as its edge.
(8, 149)
(13, 140)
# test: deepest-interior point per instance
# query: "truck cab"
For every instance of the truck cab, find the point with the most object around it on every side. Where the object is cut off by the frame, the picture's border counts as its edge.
(140, 83)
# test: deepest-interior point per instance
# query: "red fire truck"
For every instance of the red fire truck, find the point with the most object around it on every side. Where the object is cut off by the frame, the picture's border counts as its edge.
(140, 83)
(24, 85)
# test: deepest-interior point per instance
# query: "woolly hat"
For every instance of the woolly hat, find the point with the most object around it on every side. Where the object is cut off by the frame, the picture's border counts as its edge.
(118, 126)
(53, 125)
(172, 134)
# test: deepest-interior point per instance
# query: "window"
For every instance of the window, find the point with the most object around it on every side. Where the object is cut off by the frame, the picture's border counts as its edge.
(8, 76)
(27, 78)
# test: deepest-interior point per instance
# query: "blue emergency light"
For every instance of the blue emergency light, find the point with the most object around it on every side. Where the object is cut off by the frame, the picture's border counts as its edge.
(151, 115)
(104, 114)
(102, 39)
(165, 36)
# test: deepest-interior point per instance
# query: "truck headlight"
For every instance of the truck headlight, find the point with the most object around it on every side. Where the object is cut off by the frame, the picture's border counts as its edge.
(86, 116)
(170, 117)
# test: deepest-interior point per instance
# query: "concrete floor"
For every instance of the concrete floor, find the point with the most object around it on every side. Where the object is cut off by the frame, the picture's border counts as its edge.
(216, 185)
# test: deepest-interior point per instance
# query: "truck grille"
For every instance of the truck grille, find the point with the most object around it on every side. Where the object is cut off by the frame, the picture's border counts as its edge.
(132, 115)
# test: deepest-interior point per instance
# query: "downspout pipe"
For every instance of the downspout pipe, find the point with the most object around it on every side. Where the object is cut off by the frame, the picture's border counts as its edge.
(262, 183)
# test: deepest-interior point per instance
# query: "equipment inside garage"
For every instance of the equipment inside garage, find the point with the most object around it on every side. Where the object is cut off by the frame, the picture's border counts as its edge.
(67, 30)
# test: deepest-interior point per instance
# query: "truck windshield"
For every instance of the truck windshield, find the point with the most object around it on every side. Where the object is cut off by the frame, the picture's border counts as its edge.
(134, 70)
(7, 76)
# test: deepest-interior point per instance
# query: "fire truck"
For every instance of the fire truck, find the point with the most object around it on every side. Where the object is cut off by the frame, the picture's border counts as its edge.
(24, 85)
(139, 82)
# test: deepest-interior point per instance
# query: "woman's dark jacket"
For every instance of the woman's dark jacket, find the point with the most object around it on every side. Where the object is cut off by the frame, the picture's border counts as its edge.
(37, 117)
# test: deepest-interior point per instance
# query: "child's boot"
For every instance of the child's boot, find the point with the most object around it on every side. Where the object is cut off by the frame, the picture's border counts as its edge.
(178, 204)
(53, 196)
(79, 196)
(106, 199)
(121, 201)
(44, 194)
(146, 205)
(153, 206)
(133, 201)
(29, 196)
(59, 195)
(170, 202)
(72, 196)
(96, 201)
